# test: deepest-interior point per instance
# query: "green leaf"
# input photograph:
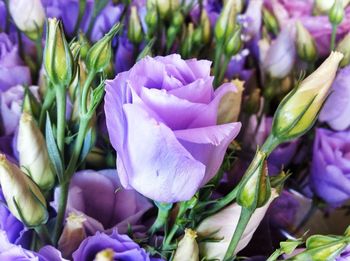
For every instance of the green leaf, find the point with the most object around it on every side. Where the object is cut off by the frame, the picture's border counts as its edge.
(289, 246)
(54, 154)
(319, 240)
(87, 145)
(97, 96)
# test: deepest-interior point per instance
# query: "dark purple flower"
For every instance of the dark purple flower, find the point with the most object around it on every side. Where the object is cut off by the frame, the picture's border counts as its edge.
(98, 196)
(161, 116)
(124, 56)
(12, 69)
(121, 247)
(330, 175)
(337, 107)
(3, 16)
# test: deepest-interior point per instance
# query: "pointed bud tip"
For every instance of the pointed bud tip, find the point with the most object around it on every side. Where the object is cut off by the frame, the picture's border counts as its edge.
(190, 233)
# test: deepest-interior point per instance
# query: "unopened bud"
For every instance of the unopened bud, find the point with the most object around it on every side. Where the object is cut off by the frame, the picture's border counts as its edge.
(299, 109)
(58, 58)
(226, 21)
(84, 45)
(100, 54)
(187, 248)
(151, 20)
(73, 234)
(206, 28)
(322, 7)
(163, 7)
(33, 155)
(270, 21)
(134, 29)
(344, 48)
(29, 16)
(23, 197)
(254, 188)
(306, 46)
(234, 43)
(336, 13)
(178, 19)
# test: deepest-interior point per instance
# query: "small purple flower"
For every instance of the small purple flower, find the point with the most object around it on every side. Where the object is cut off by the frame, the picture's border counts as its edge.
(161, 116)
(122, 247)
(11, 107)
(12, 69)
(330, 174)
(124, 56)
(3, 16)
(337, 107)
(98, 196)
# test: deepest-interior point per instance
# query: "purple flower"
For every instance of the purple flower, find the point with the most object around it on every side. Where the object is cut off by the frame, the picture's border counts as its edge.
(124, 56)
(68, 10)
(319, 26)
(330, 175)
(11, 107)
(337, 107)
(105, 205)
(12, 69)
(3, 16)
(12, 252)
(121, 247)
(345, 255)
(161, 116)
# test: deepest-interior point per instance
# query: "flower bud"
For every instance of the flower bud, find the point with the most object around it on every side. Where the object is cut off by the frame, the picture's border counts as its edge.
(223, 224)
(234, 43)
(299, 109)
(226, 21)
(23, 197)
(336, 13)
(29, 16)
(99, 55)
(206, 28)
(306, 46)
(177, 20)
(73, 234)
(270, 21)
(187, 248)
(254, 188)
(84, 45)
(134, 29)
(33, 155)
(151, 20)
(344, 48)
(163, 7)
(58, 58)
(322, 7)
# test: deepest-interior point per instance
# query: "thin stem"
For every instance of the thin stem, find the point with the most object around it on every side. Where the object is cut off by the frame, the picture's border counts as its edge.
(334, 34)
(170, 236)
(48, 101)
(61, 117)
(270, 144)
(218, 53)
(85, 92)
(223, 69)
(62, 204)
(39, 51)
(161, 220)
(43, 234)
(242, 224)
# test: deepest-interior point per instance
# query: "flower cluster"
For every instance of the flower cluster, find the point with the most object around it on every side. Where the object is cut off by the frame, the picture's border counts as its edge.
(155, 130)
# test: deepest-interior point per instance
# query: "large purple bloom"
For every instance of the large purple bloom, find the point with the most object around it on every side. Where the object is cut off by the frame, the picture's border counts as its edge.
(12, 69)
(330, 176)
(105, 205)
(161, 116)
(124, 249)
(336, 110)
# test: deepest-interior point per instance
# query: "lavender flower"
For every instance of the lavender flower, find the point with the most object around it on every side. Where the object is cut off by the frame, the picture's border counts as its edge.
(98, 196)
(161, 116)
(331, 166)
(12, 69)
(115, 246)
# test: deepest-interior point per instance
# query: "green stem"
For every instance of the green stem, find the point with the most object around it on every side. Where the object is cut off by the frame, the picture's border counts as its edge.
(82, 7)
(85, 92)
(43, 234)
(334, 34)
(61, 117)
(48, 101)
(39, 51)
(223, 69)
(270, 144)
(62, 204)
(161, 220)
(217, 61)
(275, 255)
(170, 236)
(242, 224)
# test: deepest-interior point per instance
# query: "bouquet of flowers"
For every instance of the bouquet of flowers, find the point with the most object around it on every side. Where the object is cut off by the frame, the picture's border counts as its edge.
(179, 130)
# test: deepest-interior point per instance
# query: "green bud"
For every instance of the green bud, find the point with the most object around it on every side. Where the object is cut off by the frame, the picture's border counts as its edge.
(58, 59)
(254, 189)
(100, 54)
(336, 13)
(299, 109)
(197, 36)
(344, 48)
(270, 21)
(171, 36)
(178, 19)
(322, 6)
(23, 197)
(226, 21)
(135, 30)
(163, 7)
(84, 45)
(186, 46)
(306, 46)
(206, 28)
(234, 43)
(151, 20)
